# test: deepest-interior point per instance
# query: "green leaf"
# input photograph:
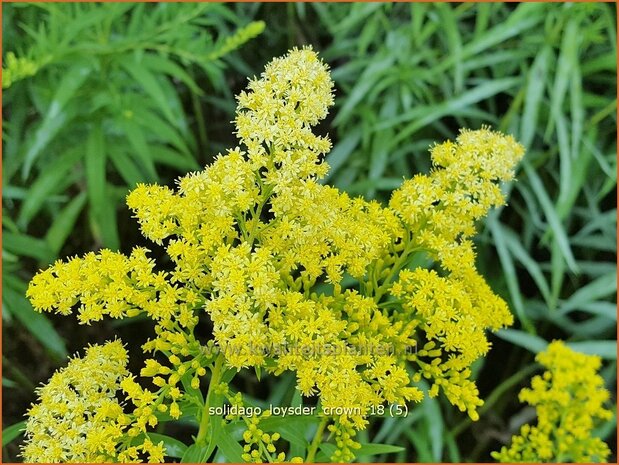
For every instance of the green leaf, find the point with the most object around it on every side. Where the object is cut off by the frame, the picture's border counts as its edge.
(36, 323)
(423, 115)
(282, 385)
(523, 18)
(567, 58)
(222, 437)
(605, 349)
(149, 84)
(194, 454)
(57, 114)
(102, 208)
(380, 154)
(47, 184)
(422, 443)
(530, 342)
(174, 447)
(604, 286)
(126, 167)
(292, 428)
(63, 224)
(534, 93)
(451, 30)
(161, 130)
(137, 140)
(173, 158)
(12, 432)
(435, 427)
(163, 65)
(8, 383)
(357, 14)
(342, 151)
(452, 448)
(580, 171)
(376, 449)
(551, 215)
(513, 243)
(509, 271)
(326, 451)
(95, 168)
(600, 308)
(27, 246)
(368, 79)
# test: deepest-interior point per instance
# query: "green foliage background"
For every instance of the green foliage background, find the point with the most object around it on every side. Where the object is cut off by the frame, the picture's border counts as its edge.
(102, 96)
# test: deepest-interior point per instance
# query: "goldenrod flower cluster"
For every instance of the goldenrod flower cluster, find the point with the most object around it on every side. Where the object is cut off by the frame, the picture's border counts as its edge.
(17, 68)
(260, 246)
(259, 445)
(569, 398)
(79, 418)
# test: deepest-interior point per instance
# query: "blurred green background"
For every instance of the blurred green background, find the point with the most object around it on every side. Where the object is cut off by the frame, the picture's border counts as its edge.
(98, 97)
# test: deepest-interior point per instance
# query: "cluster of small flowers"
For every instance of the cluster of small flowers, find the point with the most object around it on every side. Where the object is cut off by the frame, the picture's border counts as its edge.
(252, 235)
(260, 446)
(569, 398)
(344, 431)
(79, 418)
(19, 68)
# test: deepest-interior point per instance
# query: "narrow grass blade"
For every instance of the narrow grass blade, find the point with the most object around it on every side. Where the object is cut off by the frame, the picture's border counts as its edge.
(535, 90)
(47, 184)
(527, 341)
(149, 84)
(56, 114)
(37, 324)
(559, 233)
(509, 271)
(10, 433)
(102, 209)
(63, 224)
(605, 349)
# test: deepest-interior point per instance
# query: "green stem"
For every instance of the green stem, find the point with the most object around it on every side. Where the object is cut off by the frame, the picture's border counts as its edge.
(397, 266)
(256, 214)
(266, 453)
(560, 455)
(217, 371)
(311, 451)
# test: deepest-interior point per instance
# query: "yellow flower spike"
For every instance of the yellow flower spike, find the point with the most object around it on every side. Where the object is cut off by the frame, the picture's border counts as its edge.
(569, 398)
(463, 186)
(83, 393)
(294, 92)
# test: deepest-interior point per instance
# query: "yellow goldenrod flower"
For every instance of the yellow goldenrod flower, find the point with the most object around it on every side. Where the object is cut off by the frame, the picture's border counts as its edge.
(569, 398)
(252, 236)
(441, 208)
(76, 419)
(17, 68)
(79, 417)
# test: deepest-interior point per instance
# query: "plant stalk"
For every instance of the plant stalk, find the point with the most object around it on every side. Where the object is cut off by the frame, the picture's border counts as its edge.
(311, 451)
(217, 371)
